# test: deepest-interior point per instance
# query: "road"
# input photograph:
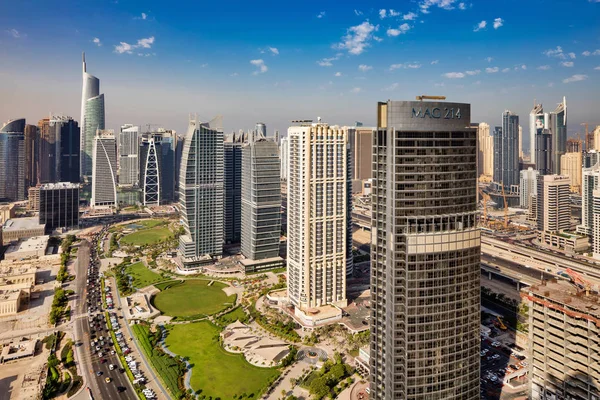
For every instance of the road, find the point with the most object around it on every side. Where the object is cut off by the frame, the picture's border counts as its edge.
(89, 361)
(514, 269)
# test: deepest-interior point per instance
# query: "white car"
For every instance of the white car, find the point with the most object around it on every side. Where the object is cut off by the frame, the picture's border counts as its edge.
(496, 356)
(111, 367)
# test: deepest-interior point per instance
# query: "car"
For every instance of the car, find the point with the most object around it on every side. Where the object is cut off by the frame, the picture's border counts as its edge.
(112, 352)
(121, 389)
(523, 363)
(99, 373)
(496, 356)
(111, 367)
(513, 366)
(496, 344)
(107, 379)
(103, 360)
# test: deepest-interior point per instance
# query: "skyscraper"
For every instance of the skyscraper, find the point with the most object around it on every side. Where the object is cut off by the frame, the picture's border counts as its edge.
(506, 151)
(425, 253)
(261, 129)
(12, 161)
(47, 151)
(32, 143)
(157, 167)
(553, 207)
(361, 147)
(94, 110)
(128, 150)
(104, 170)
(535, 115)
(232, 150)
(283, 154)
(528, 187)
(58, 149)
(201, 193)
(558, 126)
(317, 207)
(59, 204)
(485, 160)
(261, 202)
(150, 171)
(570, 166)
(520, 142)
(590, 179)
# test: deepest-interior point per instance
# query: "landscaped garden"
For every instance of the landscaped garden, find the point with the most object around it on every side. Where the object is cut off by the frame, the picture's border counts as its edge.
(147, 236)
(215, 372)
(141, 275)
(193, 298)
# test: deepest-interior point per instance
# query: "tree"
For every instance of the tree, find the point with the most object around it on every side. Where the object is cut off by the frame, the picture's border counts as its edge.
(318, 388)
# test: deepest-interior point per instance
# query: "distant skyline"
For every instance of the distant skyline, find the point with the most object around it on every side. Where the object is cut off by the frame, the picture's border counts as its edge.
(275, 62)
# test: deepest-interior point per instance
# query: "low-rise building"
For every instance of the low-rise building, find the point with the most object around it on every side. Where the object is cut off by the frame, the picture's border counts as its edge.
(568, 241)
(21, 228)
(34, 198)
(7, 211)
(10, 275)
(28, 248)
(11, 301)
(15, 351)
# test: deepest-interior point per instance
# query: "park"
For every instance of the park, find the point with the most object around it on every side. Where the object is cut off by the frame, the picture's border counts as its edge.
(193, 297)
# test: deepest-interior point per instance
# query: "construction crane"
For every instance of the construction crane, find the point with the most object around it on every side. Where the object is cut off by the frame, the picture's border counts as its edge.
(579, 281)
(485, 198)
(425, 97)
(500, 323)
(505, 207)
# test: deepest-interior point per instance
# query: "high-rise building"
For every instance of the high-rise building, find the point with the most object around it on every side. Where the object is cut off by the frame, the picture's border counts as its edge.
(277, 138)
(528, 187)
(58, 149)
(232, 153)
(596, 135)
(94, 121)
(318, 189)
(536, 122)
(570, 165)
(590, 177)
(554, 212)
(520, 142)
(283, 153)
(361, 149)
(59, 204)
(425, 253)
(595, 237)
(157, 166)
(260, 130)
(90, 90)
(104, 170)
(32, 149)
(558, 126)
(12, 161)
(543, 151)
(590, 158)
(47, 151)
(506, 151)
(168, 173)
(201, 193)
(261, 203)
(179, 142)
(128, 150)
(563, 341)
(574, 146)
(485, 160)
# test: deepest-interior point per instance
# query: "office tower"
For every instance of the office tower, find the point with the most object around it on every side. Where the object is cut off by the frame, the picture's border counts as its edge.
(520, 142)
(150, 172)
(32, 143)
(535, 116)
(361, 148)
(425, 253)
(59, 205)
(528, 187)
(58, 149)
(553, 205)
(201, 193)
(506, 151)
(283, 153)
(104, 170)
(596, 138)
(543, 151)
(157, 167)
(570, 165)
(168, 146)
(232, 153)
(590, 158)
(558, 126)
(47, 151)
(12, 161)
(261, 204)
(260, 130)
(317, 207)
(94, 121)
(590, 177)
(179, 143)
(128, 150)
(563, 341)
(90, 90)
(595, 237)
(485, 162)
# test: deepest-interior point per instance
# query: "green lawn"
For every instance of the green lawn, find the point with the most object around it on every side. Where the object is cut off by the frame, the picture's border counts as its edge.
(193, 298)
(237, 314)
(217, 373)
(151, 223)
(141, 275)
(147, 236)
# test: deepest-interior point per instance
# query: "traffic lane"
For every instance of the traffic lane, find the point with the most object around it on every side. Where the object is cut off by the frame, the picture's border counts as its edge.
(516, 267)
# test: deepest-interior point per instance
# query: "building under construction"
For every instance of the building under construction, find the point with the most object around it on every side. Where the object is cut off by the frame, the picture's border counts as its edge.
(564, 338)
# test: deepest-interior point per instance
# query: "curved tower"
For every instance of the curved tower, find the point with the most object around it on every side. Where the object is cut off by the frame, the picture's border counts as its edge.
(94, 120)
(104, 170)
(90, 89)
(12, 161)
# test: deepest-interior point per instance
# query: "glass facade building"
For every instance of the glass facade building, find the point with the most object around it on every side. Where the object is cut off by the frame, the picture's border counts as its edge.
(12, 161)
(59, 205)
(104, 170)
(94, 120)
(233, 189)
(506, 151)
(90, 89)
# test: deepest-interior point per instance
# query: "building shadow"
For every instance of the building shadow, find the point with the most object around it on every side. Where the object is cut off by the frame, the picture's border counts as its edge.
(6, 386)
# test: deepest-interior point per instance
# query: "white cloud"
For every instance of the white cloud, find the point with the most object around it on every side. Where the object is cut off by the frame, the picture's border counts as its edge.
(364, 67)
(144, 15)
(358, 12)
(262, 68)
(274, 50)
(338, 74)
(543, 67)
(477, 83)
(411, 16)
(15, 33)
(498, 22)
(393, 86)
(407, 65)
(327, 62)
(489, 59)
(435, 62)
(393, 13)
(558, 52)
(445, 4)
(321, 14)
(474, 72)
(146, 43)
(597, 68)
(204, 65)
(575, 78)
(567, 64)
(480, 26)
(97, 42)
(586, 53)
(523, 66)
(382, 13)
(462, 6)
(596, 53)
(505, 70)
(492, 70)
(454, 75)
(572, 56)
(358, 37)
(355, 90)
(123, 47)
(234, 74)
(401, 29)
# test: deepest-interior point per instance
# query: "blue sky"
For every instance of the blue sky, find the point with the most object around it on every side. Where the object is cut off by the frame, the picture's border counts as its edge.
(277, 61)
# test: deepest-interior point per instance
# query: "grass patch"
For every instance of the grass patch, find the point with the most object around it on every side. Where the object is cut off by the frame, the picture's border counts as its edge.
(169, 369)
(193, 298)
(141, 275)
(165, 285)
(237, 314)
(151, 223)
(146, 236)
(217, 373)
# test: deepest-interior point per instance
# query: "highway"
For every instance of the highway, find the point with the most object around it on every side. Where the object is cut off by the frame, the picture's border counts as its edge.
(88, 360)
(529, 276)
